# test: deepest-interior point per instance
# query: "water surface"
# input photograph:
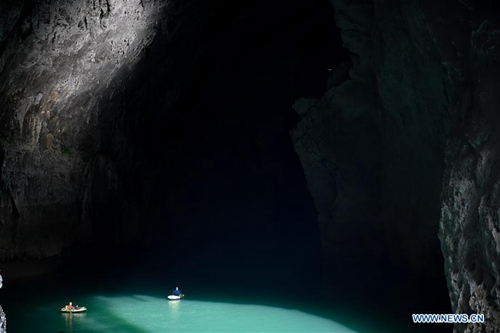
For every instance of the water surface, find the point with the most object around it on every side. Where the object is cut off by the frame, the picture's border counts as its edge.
(135, 302)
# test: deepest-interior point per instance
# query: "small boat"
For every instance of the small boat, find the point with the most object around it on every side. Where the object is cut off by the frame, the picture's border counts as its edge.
(79, 309)
(174, 297)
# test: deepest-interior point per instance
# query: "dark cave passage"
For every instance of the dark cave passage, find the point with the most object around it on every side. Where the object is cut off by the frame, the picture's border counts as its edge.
(195, 155)
(228, 202)
(236, 204)
(188, 169)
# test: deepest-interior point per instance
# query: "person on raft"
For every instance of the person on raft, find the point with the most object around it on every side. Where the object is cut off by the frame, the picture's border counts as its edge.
(176, 292)
(70, 306)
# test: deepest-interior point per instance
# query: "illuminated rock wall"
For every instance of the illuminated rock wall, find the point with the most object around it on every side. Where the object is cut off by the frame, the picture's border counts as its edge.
(119, 114)
(3, 321)
(470, 223)
(403, 144)
(59, 62)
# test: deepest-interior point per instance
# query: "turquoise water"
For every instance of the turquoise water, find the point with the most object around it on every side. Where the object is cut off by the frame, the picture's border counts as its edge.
(118, 305)
(154, 314)
(142, 313)
(136, 302)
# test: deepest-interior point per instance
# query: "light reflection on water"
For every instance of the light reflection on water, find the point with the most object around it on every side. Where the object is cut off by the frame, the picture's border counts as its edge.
(136, 307)
(148, 314)
(74, 320)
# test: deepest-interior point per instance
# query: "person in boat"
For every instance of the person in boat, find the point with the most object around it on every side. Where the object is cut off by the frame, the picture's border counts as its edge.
(176, 292)
(70, 306)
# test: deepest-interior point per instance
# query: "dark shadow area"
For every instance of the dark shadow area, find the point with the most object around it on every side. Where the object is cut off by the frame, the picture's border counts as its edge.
(199, 142)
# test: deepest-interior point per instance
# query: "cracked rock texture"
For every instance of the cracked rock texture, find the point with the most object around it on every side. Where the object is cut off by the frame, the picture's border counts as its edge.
(470, 223)
(59, 62)
(3, 321)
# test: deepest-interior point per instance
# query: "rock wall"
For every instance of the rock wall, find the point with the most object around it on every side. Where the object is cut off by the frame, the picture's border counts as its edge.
(118, 113)
(3, 321)
(469, 226)
(372, 147)
(59, 63)
(416, 114)
(404, 137)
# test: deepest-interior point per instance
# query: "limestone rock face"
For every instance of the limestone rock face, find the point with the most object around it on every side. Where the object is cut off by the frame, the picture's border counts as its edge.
(470, 224)
(57, 62)
(117, 115)
(407, 145)
(372, 147)
(3, 321)
(402, 146)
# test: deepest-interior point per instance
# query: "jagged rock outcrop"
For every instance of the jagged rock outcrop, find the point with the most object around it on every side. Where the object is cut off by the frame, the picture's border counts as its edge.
(470, 224)
(417, 112)
(3, 321)
(59, 64)
(372, 147)
(89, 90)
(135, 107)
